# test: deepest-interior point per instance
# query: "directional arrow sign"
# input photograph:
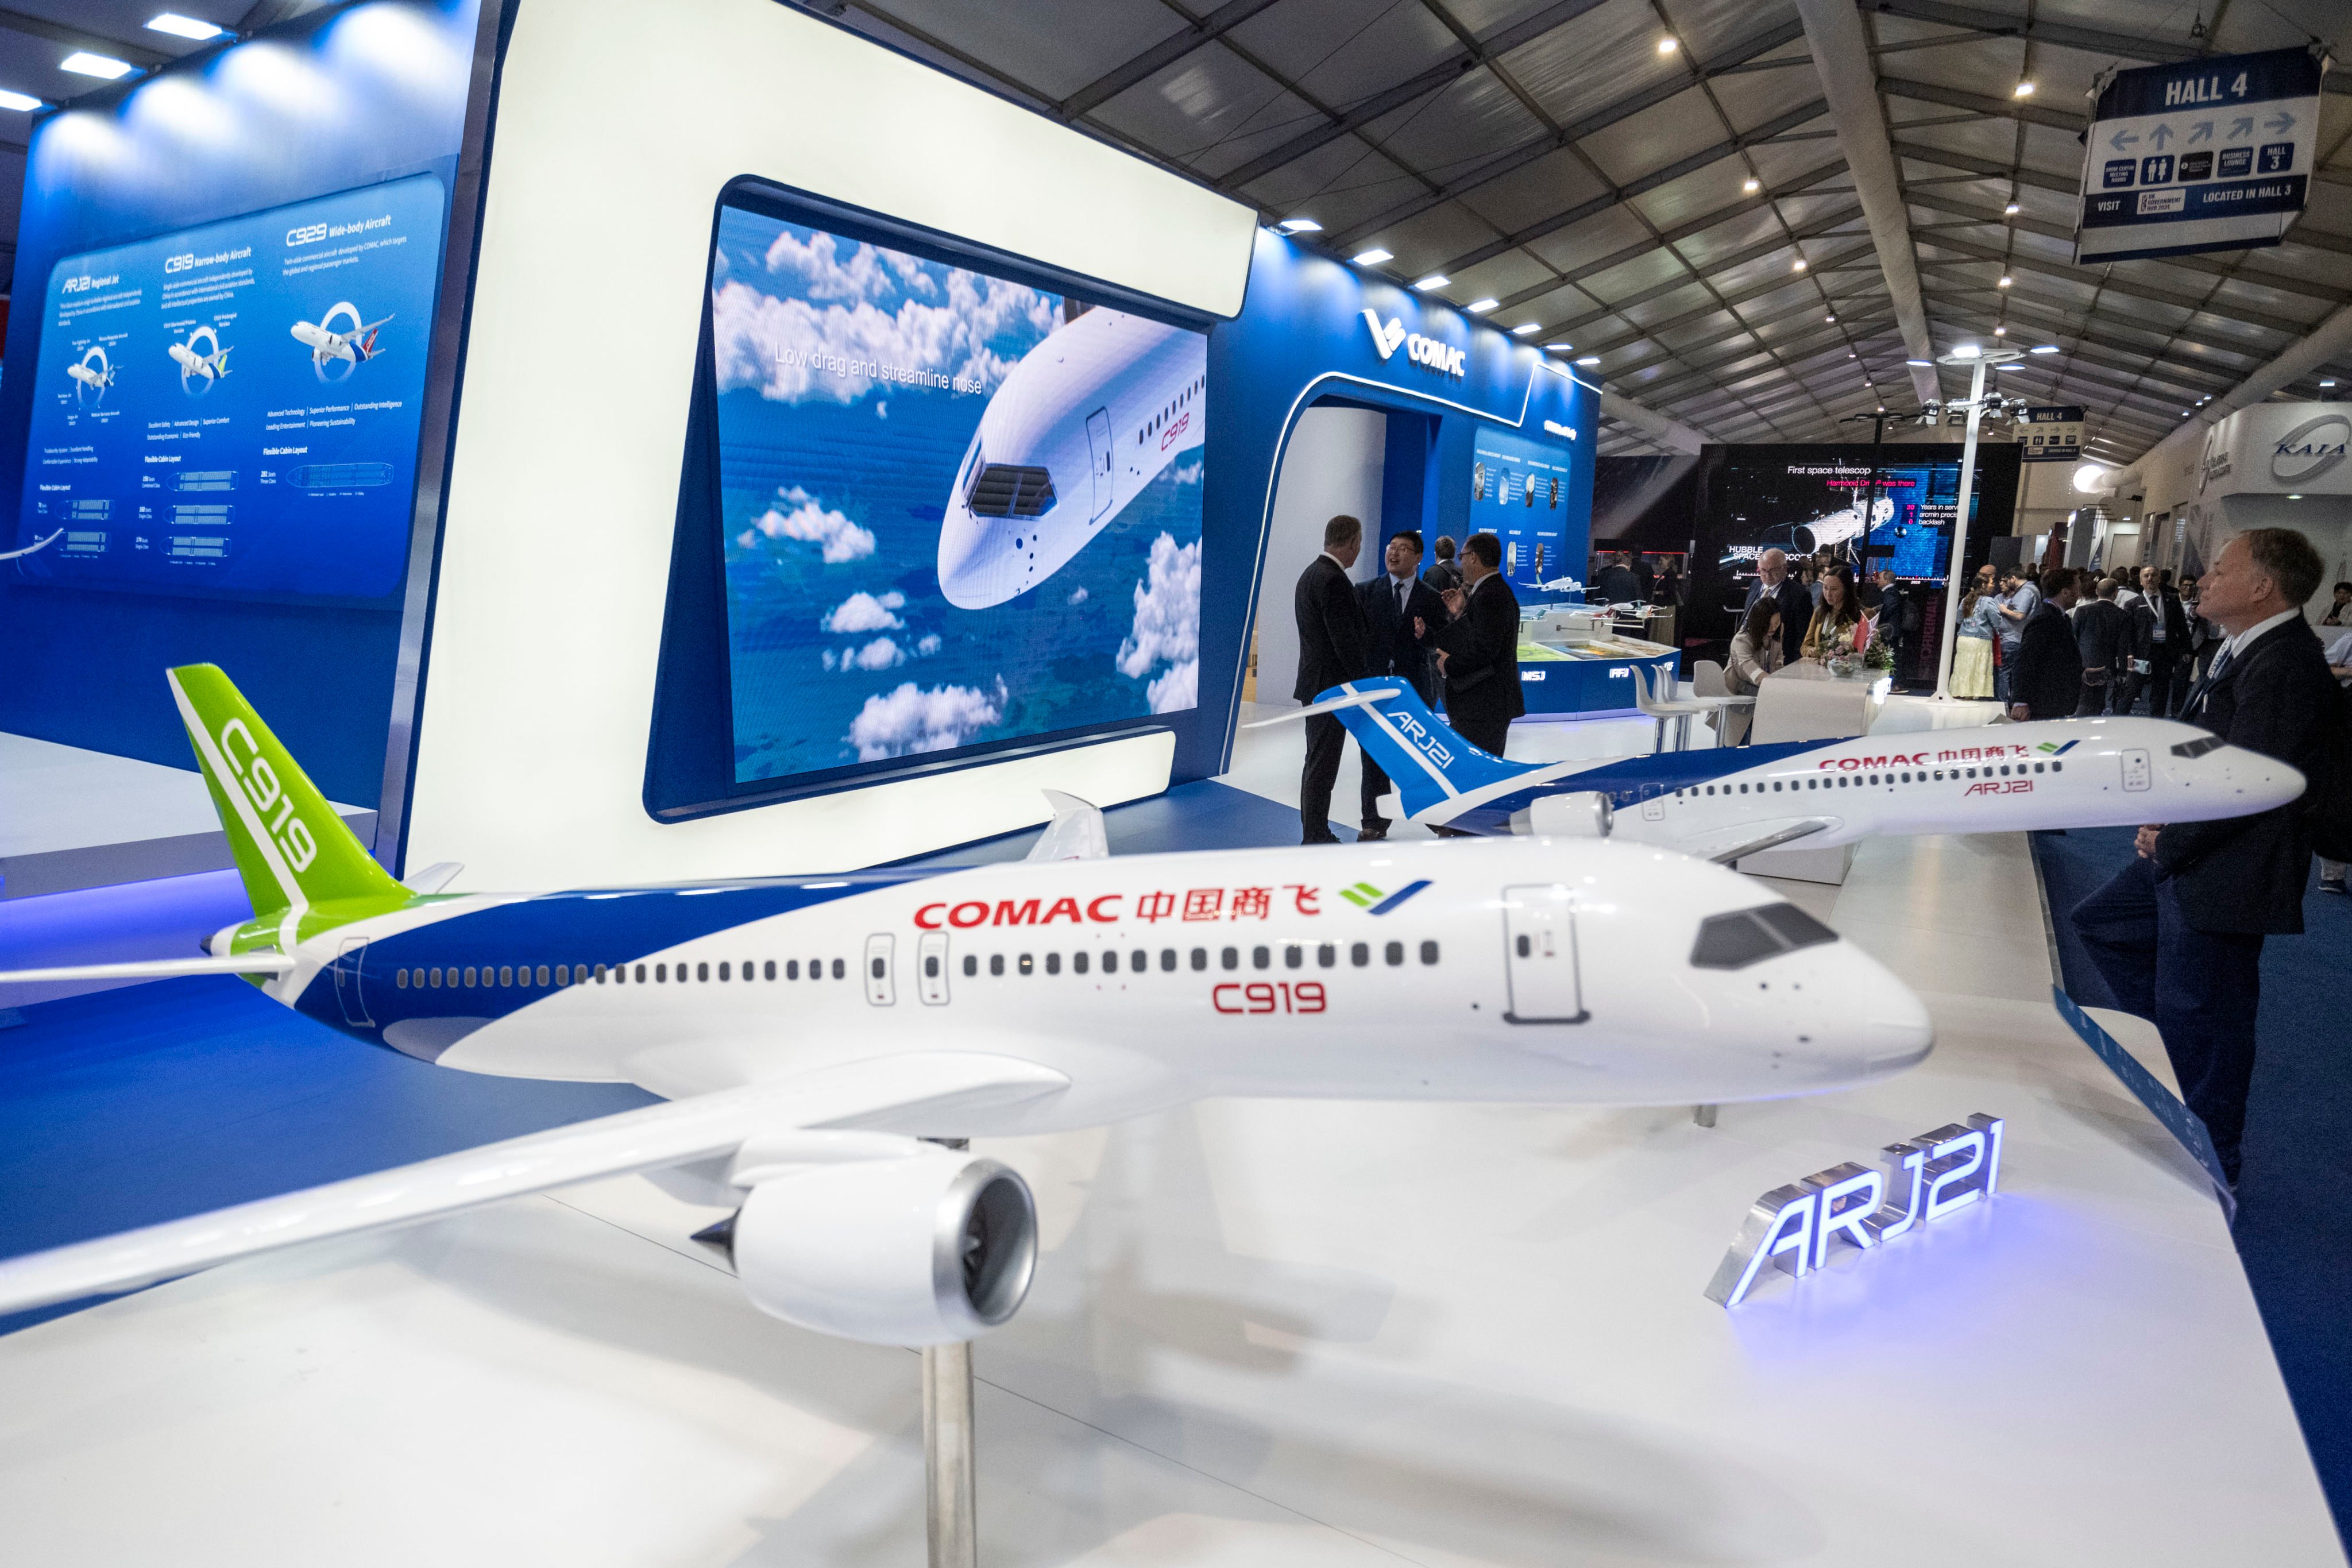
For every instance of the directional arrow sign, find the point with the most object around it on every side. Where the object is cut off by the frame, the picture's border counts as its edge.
(2142, 195)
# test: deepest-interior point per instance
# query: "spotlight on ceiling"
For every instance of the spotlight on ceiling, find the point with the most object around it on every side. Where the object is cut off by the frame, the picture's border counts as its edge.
(1480, 307)
(181, 26)
(1829, 318)
(1372, 257)
(2328, 383)
(1559, 348)
(1299, 226)
(1667, 46)
(1751, 185)
(1434, 281)
(2000, 331)
(1798, 266)
(1523, 328)
(2012, 209)
(106, 68)
(2042, 348)
(1966, 351)
(2022, 89)
(1590, 360)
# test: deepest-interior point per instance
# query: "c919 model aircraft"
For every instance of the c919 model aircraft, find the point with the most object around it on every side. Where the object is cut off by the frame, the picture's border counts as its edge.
(1724, 802)
(811, 1032)
(1080, 426)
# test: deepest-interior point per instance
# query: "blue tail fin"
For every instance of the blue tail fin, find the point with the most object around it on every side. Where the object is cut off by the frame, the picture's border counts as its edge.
(1430, 765)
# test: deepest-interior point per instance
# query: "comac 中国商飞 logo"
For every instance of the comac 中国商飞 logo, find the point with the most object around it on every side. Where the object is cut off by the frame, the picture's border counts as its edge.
(1442, 357)
(2311, 448)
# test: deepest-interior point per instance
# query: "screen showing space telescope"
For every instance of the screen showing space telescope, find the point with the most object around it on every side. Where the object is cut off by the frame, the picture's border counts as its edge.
(957, 508)
(1808, 507)
(234, 408)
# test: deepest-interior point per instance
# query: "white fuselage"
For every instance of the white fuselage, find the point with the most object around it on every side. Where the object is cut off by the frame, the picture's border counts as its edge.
(2079, 773)
(1096, 411)
(87, 376)
(1522, 970)
(194, 363)
(323, 344)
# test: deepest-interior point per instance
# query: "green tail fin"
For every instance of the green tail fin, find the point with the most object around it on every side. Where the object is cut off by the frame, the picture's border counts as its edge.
(291, 849)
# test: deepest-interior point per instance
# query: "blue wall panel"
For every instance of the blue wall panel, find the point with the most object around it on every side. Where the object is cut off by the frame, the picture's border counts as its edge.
(350, 98)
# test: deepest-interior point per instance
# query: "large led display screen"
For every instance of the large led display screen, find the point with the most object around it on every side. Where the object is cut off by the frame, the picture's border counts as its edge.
(1808, 507)
(958, 509)
(234, 409)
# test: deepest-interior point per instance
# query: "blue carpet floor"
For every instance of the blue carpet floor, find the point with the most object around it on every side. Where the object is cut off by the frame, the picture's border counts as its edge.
(149, 1102)
(2293, 1229)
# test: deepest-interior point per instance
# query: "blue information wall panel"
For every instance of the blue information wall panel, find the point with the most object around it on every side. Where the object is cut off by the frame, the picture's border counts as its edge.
(234, 409)
(1521, 490)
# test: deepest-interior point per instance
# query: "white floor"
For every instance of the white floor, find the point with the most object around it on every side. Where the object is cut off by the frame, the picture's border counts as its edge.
(1274, 1333)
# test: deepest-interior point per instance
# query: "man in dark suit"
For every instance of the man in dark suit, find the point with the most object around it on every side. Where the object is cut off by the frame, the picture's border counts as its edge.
(2160, 639)
(2103, 639)
(1444, 573)
(2179, 932)
(1795, 605)
(2046, 682)
(1616, 582)
(1334, 645)
(1402, 611)
(1478, 649)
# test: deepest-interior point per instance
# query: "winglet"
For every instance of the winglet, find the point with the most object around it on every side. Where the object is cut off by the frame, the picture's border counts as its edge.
(1076, 832)
(292, 851)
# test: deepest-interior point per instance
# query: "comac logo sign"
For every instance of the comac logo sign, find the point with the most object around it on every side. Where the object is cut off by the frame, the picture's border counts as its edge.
(2311, 448)
(1442, 357)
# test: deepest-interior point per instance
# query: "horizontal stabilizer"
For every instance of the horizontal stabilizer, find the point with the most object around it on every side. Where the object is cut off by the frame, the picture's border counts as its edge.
(1356, 698)
(434, 877)
(155, 969)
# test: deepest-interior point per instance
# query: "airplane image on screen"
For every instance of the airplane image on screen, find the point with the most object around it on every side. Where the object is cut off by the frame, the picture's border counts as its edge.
(94, 378)
(1079, 428)
(351, 345)
(1727, 801)
(202, 366)
(810, 1033)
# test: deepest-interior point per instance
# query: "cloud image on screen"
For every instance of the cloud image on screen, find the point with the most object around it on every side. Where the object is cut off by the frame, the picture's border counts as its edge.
(956, 508)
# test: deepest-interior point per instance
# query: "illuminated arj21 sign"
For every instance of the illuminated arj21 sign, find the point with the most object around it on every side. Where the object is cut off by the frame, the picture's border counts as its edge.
(1792, 1227)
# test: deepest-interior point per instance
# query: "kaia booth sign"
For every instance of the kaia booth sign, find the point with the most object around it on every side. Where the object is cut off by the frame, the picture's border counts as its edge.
(1926, 1179)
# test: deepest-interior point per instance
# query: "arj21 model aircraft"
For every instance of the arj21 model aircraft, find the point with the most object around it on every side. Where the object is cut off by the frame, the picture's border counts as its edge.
(811, 1031)
(1724, 803)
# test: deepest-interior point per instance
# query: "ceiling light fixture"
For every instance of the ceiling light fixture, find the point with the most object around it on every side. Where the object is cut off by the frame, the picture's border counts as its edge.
(1667, 45)
(2000, 331)
(1559, 348)
(81, 62)
(1372, 257)
(2012, 209)
(1799, 266)
(2328, 383)
(2295, 497)
(1299, 226)
(2042, 348)
(181, 26)
(1966, 351)
(1523, 328)
(1751, 185)
(1590, 360)
(1434, 281)
(1919, 364)
(1829, 318)
(2005, 280)
(2022, 89)
(1480, 307)
(24, 104)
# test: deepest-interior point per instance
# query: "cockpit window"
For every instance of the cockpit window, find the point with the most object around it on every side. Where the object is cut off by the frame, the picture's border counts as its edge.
(1750, 936)
(1008, 490)
(2199, 747)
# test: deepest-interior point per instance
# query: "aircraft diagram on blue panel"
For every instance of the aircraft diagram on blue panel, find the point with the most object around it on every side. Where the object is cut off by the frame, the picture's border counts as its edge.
(199, 370)
(1075, 432)
(327, 345)
(92, 374)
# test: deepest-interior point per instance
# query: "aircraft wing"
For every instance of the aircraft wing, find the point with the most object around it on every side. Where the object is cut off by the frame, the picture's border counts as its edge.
(709, 1126)
(1768, 836)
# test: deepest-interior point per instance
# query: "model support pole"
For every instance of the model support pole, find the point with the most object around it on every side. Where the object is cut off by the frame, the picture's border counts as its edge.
(948, 1513)
(1952, 581)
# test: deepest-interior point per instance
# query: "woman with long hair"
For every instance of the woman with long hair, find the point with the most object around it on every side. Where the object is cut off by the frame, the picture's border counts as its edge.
(1980, 634)
(1756, 652)
(1839, 626)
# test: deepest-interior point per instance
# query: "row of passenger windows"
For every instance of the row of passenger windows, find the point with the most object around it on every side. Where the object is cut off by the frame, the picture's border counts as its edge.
(1139, 960)
(1842, 781)
(619, 974)
(1159, 420)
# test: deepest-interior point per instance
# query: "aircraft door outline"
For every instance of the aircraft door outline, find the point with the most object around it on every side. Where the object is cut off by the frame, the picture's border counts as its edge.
(349, 959)
(881, 983)
(1099, 450)
(933, 964)
(1539, 955)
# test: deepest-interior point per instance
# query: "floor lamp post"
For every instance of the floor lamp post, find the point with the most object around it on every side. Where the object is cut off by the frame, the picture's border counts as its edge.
(1979, 361)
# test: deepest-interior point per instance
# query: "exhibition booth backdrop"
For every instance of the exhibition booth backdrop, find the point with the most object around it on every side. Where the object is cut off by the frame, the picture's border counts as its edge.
(872, 478)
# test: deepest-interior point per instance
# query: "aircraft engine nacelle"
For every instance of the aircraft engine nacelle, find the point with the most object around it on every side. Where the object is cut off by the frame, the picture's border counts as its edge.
(918, 1251)
(1579, 814)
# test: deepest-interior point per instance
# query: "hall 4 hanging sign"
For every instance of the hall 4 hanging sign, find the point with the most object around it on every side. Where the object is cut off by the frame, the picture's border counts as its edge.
(1919, 1181)
(2051, 435)
(2209, 155)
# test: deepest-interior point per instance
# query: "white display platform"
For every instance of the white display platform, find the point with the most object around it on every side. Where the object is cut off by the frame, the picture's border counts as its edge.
(74, 819)
(1274, 1333)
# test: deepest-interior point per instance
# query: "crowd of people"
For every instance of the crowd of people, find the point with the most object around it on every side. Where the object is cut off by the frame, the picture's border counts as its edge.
(2057, 642)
